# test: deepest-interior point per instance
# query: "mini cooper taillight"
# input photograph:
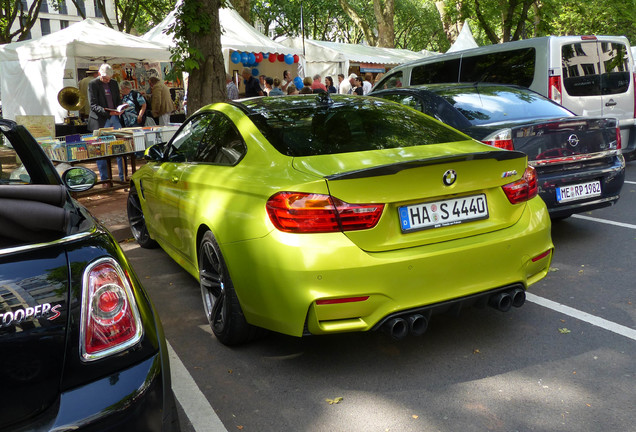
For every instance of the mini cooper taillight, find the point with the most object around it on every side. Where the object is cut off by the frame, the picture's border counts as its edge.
(110, 321)
(524, 189)
(300, 212)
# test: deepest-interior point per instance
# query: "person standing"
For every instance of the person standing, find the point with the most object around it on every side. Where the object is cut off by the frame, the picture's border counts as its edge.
(252, 86)
(230, 87)
(160, 102)
(104, 98)
(367, 85)
(329, 85)
(317, 86)
(358, 87)
(276, 90)
(287, 80)
(346, 84)
(91, 74)
(136, 116)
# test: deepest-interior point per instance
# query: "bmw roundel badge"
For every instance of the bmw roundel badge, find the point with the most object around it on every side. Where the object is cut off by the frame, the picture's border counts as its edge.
(449, 177)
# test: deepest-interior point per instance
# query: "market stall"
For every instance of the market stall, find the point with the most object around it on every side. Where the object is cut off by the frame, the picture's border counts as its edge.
(242, 45)
(332, 58)
(33, 72)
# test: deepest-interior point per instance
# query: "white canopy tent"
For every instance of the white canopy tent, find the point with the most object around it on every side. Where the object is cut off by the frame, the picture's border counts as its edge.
(465, 40)
(331, 58)
(33, 72)
(237, 35)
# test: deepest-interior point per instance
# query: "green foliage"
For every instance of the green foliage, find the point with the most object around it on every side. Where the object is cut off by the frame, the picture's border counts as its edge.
(190, 21)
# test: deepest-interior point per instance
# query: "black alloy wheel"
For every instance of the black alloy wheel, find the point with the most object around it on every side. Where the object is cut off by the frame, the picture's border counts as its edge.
(137, 221)
(220, 302)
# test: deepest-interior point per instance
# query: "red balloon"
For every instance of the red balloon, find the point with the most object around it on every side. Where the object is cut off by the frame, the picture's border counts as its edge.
(296, 58)
(259, 57)
(281, 57)
(272, 57)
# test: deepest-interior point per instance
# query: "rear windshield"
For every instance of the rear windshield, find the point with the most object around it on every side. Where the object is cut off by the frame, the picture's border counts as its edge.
(595, 68)
(300, 126)
(483, 105)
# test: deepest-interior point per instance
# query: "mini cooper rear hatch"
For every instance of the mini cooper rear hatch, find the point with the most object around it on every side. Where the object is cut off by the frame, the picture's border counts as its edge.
(81, 347)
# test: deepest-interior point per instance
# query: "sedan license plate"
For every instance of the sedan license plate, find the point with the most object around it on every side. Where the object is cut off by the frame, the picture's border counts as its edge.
(578, 191)
(443, 213)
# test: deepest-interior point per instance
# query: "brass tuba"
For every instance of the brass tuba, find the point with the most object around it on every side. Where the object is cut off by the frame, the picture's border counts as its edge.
(71, 99)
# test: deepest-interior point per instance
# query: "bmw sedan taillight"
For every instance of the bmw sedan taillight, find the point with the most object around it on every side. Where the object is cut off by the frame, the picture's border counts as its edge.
(299, 212)
(524, 189)
(110, 320)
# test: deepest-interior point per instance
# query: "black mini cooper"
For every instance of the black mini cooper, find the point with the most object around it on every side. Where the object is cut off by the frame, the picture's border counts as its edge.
(81, 347)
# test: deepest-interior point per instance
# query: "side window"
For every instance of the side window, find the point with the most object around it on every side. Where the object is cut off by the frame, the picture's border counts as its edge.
(437, 72)
(615, 68)
(507, 67)
(221, 144)
(580, 68)
(184, 146)
(395, 80)
(408, 100)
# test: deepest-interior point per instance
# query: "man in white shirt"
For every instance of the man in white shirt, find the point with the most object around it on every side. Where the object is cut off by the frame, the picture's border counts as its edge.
(345, 84)
(366, 85)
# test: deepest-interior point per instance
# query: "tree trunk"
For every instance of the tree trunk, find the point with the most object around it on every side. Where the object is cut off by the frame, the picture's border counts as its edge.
(385, 14)
(243, 8)
(359, 22)
(206, 83)
(451, 29)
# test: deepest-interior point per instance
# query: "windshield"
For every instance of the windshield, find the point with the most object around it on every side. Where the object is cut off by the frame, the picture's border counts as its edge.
(304, 126)
(494, 104)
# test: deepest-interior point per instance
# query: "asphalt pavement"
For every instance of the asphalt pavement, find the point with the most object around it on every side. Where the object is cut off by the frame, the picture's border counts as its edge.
(562, 362)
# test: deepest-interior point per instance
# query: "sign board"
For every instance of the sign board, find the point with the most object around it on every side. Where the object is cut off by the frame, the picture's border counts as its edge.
(372, 67)
(38, 125)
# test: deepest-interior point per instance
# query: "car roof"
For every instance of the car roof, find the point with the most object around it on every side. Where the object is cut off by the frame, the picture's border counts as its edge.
(441, 87)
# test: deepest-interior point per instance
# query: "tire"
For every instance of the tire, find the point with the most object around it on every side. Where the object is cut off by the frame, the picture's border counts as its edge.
(220, 303)
(137, 221)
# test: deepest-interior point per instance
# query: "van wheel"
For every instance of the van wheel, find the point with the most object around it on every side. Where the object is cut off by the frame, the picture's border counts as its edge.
(220, 302)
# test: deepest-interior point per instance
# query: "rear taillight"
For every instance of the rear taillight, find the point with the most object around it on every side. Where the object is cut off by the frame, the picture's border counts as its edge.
(554, 89)
(634, 75)
(299, 212)
(523, 189)
(619, 141)
(501, 139)
(110, 320)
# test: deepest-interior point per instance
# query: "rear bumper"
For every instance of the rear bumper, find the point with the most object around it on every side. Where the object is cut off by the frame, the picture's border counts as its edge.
(279, 278)
(609, 171)
(132, 399)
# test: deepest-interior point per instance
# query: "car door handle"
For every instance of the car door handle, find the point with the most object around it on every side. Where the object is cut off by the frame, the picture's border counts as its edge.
(174, 179)
(610, 103)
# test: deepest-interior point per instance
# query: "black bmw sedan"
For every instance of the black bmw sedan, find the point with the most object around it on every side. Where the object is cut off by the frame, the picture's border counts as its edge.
(81, 347)
(578, 159)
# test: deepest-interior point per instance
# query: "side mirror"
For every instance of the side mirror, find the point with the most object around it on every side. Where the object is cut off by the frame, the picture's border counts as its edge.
(154, 153)
(79, 179)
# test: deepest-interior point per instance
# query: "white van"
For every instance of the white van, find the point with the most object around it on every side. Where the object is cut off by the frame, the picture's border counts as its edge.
(589, 75)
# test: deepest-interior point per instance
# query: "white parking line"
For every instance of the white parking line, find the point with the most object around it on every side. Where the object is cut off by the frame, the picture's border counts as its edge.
(630, 182)
(583, 316)
(608, 222)
(194, 403)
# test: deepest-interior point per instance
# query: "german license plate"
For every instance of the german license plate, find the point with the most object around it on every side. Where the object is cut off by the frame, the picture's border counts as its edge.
(443, 213)
(578, 191)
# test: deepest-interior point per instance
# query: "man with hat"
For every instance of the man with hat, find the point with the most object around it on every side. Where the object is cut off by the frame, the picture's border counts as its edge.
(91, 74)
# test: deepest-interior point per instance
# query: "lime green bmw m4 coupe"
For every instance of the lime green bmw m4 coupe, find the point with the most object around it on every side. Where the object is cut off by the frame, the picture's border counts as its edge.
(321, 214)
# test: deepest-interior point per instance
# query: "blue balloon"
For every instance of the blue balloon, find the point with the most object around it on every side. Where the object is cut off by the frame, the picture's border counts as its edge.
(244, 59)
(235, 57)
(289, 59)
(265, 56)
(251, 58)
(255, 72)
(298, 82)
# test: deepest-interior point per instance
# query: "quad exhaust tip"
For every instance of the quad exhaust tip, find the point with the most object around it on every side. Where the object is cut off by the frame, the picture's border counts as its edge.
(416, 324)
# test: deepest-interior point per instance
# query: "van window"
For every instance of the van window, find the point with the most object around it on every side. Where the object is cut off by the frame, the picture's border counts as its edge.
(507, 67)
(593, 69)
(436, 72)
(392, 81)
